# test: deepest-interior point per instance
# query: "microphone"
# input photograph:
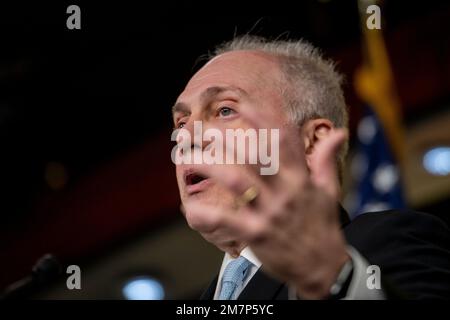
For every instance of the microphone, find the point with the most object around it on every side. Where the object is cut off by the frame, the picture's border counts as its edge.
(46, 270)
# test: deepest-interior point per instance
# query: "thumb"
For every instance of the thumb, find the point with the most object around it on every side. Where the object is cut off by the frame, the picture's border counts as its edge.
(323, 164)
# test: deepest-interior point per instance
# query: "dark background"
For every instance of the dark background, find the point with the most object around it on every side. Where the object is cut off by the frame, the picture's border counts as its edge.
(85, 119)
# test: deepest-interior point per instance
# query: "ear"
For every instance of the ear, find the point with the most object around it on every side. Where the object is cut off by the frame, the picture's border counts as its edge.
(314, 131)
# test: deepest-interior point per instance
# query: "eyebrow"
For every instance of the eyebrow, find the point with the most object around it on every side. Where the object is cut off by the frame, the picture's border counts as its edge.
(208, 94)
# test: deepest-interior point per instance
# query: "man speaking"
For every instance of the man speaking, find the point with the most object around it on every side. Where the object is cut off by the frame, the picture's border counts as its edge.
(284, 233)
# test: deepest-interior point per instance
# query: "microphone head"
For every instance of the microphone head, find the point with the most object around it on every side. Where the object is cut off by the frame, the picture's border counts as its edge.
(46, 270)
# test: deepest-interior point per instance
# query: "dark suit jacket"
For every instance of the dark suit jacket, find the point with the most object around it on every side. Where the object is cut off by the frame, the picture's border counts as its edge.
(412, 250)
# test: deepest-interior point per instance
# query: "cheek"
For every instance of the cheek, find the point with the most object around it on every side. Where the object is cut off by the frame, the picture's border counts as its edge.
(221, 197)
(179, 175)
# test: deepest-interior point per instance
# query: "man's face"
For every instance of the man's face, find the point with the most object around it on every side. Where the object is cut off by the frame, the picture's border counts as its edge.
(216, 95)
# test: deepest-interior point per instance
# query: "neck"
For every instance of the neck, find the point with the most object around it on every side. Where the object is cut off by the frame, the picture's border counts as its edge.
(234, 249)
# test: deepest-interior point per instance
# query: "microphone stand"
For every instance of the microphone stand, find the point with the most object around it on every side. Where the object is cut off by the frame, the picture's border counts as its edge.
(46, 270)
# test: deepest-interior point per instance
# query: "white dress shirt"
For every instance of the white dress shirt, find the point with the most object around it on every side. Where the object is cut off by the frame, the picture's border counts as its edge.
(253, 267)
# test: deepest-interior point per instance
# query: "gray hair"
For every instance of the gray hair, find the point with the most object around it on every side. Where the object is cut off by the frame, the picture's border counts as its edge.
(314, 86)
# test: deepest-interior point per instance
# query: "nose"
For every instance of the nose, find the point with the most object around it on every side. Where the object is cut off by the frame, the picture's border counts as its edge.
(193, 135)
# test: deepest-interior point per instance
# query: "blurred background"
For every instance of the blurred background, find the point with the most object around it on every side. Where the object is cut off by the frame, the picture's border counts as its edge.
(85, 124)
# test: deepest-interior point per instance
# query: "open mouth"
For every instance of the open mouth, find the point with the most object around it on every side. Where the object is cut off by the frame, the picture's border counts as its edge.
(196, 182)
(194, 178)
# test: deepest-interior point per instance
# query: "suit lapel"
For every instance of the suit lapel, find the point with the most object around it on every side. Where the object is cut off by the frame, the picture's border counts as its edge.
(263, 287)
(208, 294)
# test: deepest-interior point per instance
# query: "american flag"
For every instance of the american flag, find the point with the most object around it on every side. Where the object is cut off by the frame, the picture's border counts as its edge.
(380, 135)
(376, 176)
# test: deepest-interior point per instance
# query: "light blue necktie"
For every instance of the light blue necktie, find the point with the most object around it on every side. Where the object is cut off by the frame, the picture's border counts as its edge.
(233, 276)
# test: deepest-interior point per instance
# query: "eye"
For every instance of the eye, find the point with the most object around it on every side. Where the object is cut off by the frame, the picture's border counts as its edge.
(226, 112)
(180, 122)
(180, 125)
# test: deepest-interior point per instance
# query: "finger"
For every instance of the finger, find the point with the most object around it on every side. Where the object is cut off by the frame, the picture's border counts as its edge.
(323, 166)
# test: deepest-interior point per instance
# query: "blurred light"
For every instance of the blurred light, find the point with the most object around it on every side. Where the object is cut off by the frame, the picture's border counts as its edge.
(143, 288)
(437, 161)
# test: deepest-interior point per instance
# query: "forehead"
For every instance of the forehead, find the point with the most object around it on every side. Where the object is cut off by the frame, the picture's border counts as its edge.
(252, 71)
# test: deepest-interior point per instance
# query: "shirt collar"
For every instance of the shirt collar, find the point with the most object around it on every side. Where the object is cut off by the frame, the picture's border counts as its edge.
(247, 253)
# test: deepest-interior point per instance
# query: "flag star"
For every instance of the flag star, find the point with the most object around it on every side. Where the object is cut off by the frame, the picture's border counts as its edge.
(385, 178)
(367, 129)
(359, 166)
